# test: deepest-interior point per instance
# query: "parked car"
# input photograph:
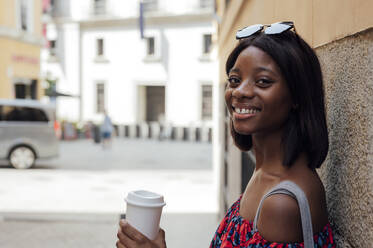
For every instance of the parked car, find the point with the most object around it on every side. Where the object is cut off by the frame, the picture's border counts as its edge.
(27, 132)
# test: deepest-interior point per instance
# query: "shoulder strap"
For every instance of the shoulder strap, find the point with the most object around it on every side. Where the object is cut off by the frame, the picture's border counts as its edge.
(293, 190)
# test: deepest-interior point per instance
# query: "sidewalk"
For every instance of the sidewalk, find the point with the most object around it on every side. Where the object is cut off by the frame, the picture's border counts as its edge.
(97, 230)
(79, 205)
(63, 191)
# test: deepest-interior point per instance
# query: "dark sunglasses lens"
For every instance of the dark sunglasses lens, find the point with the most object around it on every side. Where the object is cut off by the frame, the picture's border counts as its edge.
(277, 28)
(246, 32)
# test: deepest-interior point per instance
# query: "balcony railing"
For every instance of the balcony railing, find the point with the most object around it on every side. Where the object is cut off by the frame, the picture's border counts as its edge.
(99, 7)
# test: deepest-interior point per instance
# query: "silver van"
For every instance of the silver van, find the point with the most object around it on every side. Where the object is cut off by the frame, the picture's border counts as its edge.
(27, 132)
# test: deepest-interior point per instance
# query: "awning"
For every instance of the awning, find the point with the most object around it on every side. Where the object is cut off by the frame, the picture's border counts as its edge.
(56, 94)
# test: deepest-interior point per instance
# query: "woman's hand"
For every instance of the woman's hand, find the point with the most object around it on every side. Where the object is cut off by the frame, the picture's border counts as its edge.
(129, 237)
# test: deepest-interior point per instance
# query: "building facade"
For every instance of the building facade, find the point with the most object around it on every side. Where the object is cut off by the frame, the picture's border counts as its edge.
(20, 44)
(341, 32)
(97, 56)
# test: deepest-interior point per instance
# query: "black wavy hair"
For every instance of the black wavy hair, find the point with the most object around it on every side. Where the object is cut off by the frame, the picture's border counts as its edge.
(306, 128)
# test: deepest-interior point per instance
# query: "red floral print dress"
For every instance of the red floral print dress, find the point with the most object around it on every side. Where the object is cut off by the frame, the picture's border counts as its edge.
(236, 232)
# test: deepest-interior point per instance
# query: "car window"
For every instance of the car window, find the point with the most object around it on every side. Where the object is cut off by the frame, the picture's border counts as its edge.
(15, 113)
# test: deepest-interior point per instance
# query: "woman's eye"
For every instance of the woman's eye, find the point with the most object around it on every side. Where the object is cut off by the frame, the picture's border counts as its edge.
(264, 82)
(233, 81)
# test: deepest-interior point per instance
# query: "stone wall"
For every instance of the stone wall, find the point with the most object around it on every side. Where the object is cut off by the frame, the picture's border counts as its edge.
(347, 173)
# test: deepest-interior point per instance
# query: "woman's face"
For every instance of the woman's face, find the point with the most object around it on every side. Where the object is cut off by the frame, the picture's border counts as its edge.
(257, 95)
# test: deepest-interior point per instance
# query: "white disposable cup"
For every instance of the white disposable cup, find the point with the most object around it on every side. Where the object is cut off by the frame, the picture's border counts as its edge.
(144, 209)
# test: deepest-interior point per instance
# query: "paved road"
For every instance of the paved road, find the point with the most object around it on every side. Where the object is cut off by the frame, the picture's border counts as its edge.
(130, 154)
(76, 200)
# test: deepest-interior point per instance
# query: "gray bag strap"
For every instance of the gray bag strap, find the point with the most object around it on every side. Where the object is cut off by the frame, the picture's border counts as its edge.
(293, 190)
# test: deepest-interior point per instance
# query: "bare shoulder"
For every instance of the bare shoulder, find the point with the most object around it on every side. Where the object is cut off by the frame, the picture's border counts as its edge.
(314, 190)
(310, 183)
(280, 219)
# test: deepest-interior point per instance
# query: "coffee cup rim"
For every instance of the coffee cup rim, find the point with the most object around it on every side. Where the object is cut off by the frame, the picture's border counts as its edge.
(149, 205)
(145, 198)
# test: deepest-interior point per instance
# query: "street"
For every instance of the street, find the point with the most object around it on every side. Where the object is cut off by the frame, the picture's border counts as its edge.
(76, 200)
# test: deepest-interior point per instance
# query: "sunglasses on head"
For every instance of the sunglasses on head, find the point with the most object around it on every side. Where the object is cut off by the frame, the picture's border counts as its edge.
(275, 28)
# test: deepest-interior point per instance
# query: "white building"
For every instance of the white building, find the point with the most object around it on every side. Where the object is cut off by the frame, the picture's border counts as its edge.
(97, 55)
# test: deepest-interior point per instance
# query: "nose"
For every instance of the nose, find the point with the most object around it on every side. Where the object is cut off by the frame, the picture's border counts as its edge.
(245, 89)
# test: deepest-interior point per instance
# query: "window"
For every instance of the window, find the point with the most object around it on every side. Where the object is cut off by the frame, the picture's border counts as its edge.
(25, 89)
(206, 102)
(99, 7)
(15, 113)
(150, 5)
(150, 46)
(206, 43)
(52, 48)
(21, 91)
(100, 51)
(100, 47)
(24, 15)
(100, 97)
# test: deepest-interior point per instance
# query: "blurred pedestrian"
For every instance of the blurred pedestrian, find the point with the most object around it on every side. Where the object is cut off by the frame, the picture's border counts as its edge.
(106, 131)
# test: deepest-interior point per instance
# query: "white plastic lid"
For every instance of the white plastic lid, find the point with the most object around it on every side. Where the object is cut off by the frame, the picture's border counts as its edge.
(145, 198)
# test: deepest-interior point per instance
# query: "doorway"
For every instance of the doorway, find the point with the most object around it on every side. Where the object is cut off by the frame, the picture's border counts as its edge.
(155, 103)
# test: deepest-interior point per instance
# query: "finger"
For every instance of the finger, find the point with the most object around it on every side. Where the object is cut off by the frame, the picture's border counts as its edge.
(120, 245)
(160, 240)
(131, 232)
(163, 234)
(125, 240)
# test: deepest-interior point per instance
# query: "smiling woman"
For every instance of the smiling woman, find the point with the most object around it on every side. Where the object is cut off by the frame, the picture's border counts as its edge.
(275, 99)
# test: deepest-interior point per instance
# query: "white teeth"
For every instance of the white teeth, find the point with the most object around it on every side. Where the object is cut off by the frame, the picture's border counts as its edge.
(246, 111)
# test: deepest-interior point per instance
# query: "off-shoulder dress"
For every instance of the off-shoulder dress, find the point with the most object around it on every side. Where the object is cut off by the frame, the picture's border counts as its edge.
(236, 232)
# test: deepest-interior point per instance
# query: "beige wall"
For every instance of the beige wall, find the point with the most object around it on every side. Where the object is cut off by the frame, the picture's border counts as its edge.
(7, 13)
(17, 60)
(348, 171)
(341, 32)
(20, 58)
(317, 21)
(38, 10)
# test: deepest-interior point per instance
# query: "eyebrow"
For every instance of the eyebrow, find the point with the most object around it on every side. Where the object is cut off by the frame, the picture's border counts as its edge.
(260, 68)
(237, 70)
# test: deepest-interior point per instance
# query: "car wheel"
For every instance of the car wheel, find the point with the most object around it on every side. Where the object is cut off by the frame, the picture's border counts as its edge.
(22, 157)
